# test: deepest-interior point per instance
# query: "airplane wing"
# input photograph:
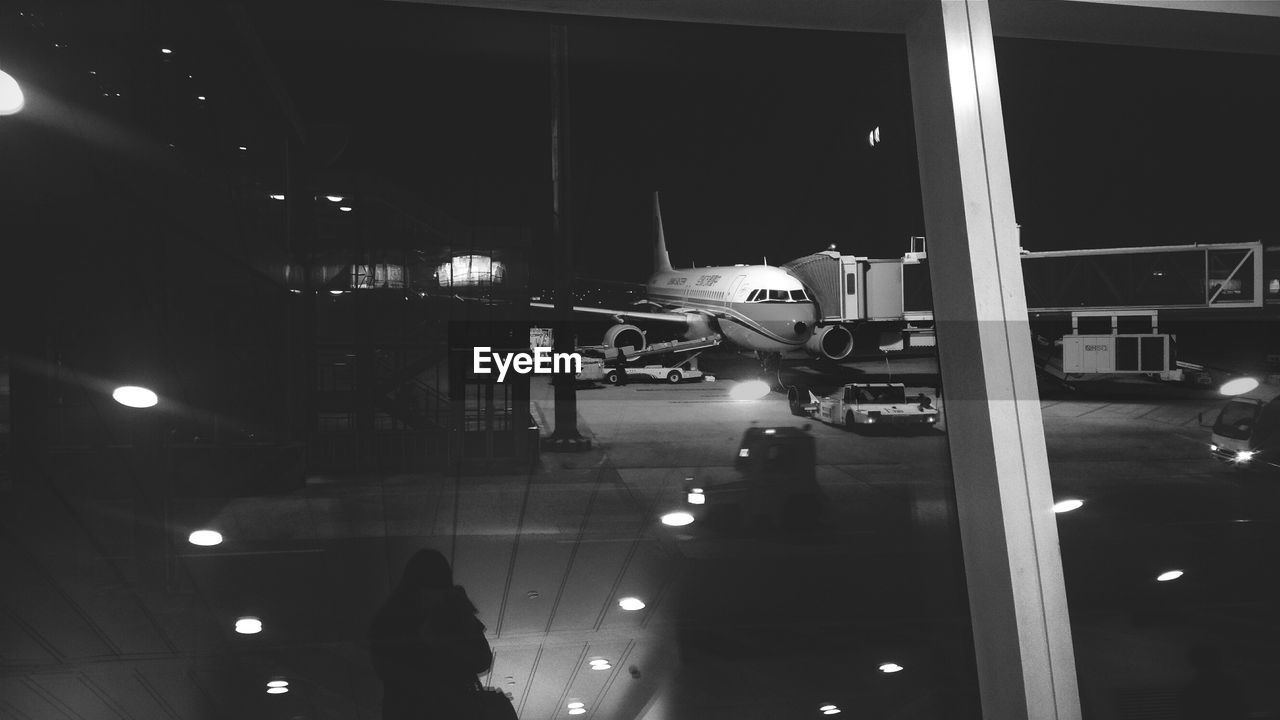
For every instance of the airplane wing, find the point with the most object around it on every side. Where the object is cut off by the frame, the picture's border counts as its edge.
(670, 316)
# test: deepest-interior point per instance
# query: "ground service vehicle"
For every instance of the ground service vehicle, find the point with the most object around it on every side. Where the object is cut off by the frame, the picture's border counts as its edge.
(866, 404)
(687, 370)
(1247, 431)
(778, 485)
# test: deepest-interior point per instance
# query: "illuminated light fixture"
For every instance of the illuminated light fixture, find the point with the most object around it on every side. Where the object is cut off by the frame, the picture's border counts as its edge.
(600, 664)
(278, 683)
(201, 98)
(1238, 386)
(677, 519)
(577, 711)
(205, 538)
(334, 198)
(696, 497)
(344, 208)
(11, 99)
(336, 292)
(166, 51)
(631, 604)
(242, 148)
(277, 690)
(770, 431)
(1213, 448)
(890, 668)
(471, 270)
(829, 710)
(248, 625)
(1168, 575)
(135, 397)
(277, 196)
(575, 705)
(744, 452)
(749, 390)
(1068, 505)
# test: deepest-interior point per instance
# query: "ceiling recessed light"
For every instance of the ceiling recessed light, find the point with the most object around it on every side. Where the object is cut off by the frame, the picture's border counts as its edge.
(278, 683)
(277, 690)
(1238, 386)
(677, 519)
(248, 625)
(602, 666)
(890, 668)
(334, 198)
(575, 705)
(200, 98)
(242, 147)
(631, 603)
(750, 390)
(1169, 575)
(205, 538)
(134, 396)
(344, 208)
(1068, 505)
(166, 51)
(277, 196)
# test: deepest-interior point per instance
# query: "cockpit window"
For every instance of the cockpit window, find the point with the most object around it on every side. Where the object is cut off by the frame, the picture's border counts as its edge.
(777, 296)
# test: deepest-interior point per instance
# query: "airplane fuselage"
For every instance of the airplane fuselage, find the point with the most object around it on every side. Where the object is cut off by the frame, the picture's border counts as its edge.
(757, 307)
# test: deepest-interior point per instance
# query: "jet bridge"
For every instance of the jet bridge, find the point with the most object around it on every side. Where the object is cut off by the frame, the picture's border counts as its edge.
(1171, 277)
(896, 295)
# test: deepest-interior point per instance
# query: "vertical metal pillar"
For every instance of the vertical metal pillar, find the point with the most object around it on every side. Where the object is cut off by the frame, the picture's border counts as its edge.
(566, 435)
(1017, 598)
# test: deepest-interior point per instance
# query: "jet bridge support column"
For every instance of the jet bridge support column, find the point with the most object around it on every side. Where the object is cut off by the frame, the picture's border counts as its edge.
(1018, 607)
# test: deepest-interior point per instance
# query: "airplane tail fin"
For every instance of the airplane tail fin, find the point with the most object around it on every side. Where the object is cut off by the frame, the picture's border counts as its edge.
(661, 261)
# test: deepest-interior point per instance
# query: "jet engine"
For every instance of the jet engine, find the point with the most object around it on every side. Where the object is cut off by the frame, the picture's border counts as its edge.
(623, 335)
(833, 342)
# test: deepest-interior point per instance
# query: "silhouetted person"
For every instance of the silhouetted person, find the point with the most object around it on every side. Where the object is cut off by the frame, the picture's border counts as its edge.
(427, 644)
(1211, 694)
(621, 367)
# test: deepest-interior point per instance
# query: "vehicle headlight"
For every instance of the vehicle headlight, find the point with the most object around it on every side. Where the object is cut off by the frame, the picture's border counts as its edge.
(1213, 448)
(1244, 455)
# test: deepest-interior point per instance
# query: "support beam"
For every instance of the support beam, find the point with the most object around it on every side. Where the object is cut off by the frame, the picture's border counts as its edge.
(1017, 599)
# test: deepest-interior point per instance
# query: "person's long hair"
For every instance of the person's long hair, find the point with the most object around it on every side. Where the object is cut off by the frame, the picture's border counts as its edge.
(427, 570)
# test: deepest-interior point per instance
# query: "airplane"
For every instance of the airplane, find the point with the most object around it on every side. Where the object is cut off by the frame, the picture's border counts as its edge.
(760, 308)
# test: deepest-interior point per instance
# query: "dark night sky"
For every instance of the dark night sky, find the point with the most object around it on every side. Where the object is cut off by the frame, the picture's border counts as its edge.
(757, 138)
